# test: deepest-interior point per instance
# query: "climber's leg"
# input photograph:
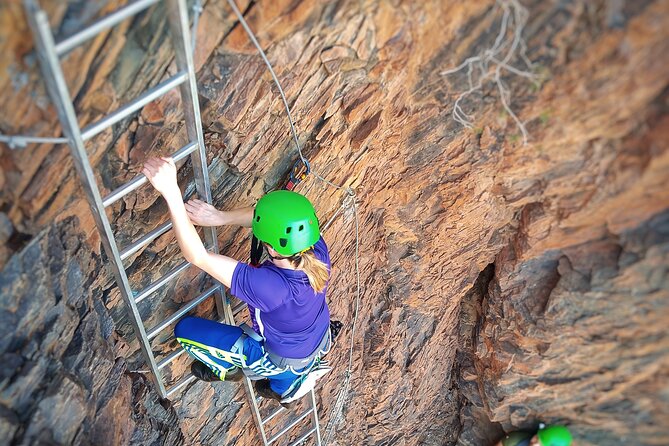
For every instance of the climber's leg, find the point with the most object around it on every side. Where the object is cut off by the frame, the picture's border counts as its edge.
(211, 343)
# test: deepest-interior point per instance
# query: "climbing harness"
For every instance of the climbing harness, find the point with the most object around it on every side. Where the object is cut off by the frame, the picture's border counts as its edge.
(303, 365)
(306, 382)
(309, 369)
(301, 169)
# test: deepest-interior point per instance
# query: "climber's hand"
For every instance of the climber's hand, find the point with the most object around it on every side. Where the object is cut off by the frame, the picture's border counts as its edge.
(162, 173)
(204, 214)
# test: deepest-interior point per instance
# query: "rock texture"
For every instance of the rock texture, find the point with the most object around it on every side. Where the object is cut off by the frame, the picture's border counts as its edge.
(502, 284)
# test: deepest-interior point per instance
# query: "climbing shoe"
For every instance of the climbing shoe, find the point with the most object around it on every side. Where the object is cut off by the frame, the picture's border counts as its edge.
(204, 373)
(235, 375)
(335, 328)
(264, 390)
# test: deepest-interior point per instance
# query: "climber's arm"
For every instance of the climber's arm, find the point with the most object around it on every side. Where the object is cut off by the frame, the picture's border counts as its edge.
(161, 172)
(204, 214)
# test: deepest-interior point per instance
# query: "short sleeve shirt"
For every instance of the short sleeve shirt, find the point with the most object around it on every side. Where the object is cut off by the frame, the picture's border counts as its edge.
(292, 317)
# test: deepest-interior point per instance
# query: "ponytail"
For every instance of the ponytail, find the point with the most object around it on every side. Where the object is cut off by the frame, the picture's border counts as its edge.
(316, 271)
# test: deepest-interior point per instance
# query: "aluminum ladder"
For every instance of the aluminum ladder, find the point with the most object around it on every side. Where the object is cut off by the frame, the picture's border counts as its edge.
(49, 53)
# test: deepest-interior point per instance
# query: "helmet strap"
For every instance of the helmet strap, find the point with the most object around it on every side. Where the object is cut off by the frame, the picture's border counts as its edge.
(297, 254)
(279, 257)
(256, 251)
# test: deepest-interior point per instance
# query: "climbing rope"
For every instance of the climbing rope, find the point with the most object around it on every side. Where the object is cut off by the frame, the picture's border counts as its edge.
(252, 36)
(336, 413)
(349, 202)
(197, 11)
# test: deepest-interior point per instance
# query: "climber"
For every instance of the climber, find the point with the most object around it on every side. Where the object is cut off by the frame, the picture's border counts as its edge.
(545, 436)
(287, 291)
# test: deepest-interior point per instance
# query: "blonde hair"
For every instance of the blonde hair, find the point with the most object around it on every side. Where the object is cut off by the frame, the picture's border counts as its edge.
(316, 271)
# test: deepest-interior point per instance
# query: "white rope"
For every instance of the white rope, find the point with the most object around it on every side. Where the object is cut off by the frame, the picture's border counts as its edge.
(337, 411)
(348, 202)
(197, 11)
(514, 17)
(252, 36)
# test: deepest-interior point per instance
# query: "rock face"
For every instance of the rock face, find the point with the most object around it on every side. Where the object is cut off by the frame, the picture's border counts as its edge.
(503, 283)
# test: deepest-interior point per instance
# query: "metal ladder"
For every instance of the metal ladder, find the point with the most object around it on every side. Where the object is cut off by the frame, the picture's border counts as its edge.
(49, 53)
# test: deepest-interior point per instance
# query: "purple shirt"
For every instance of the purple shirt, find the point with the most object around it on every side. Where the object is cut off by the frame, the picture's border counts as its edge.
(292, 317)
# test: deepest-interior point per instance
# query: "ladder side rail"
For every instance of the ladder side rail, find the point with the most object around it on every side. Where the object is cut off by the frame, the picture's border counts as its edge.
(239, 307)
(59, 93)
(177, 15)
(315, 417)
(255, 410)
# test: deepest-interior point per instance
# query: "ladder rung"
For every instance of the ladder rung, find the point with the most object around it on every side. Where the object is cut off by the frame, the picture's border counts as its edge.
(145, 240)
(273, 414)
(102, 24)
(182, 382)
(303, 437)
(162, 281)
(141, 178)
(183, 310)
(237, 308)
(91, 130)
(289, 426)
(171, 357)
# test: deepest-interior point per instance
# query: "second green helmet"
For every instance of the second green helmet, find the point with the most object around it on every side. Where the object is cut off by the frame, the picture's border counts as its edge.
(554, 436)
(286, 221)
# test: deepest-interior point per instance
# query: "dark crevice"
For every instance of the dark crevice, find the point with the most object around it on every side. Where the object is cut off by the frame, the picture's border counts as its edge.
(18, 240)
(474, 423)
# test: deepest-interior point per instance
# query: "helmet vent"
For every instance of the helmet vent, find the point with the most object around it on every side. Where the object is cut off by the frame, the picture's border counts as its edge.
(288, 229)
(283, 242)
(258, 218)
(301, 228)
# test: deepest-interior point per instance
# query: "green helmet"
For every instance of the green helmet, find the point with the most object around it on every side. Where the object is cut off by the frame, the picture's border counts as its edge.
(554, 436)
(286, 221)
